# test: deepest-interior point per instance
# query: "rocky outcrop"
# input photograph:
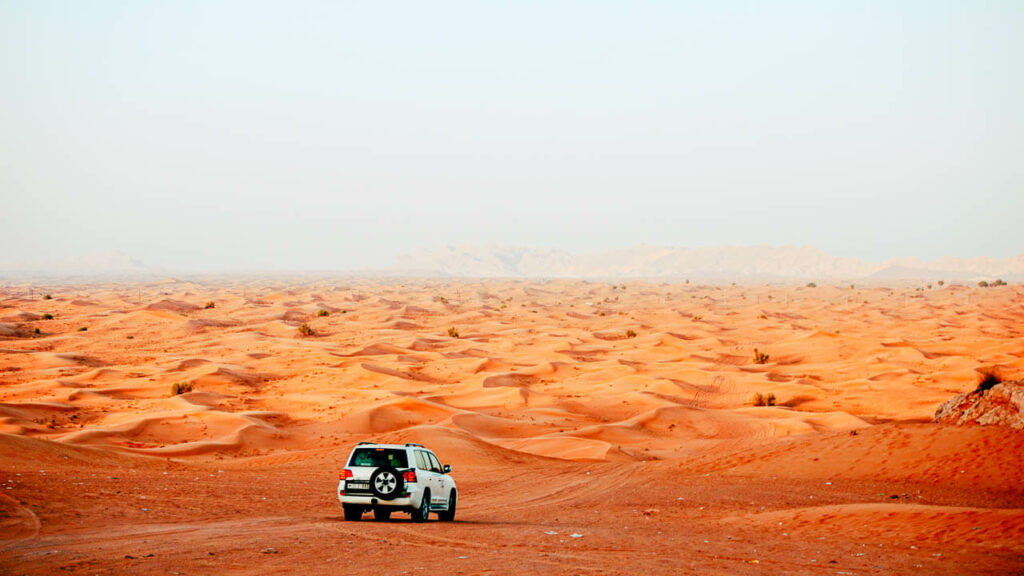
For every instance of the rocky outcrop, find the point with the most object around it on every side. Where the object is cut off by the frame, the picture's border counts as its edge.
(1000, 405)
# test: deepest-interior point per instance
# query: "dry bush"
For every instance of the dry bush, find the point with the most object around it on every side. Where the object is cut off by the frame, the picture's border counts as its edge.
(987, 378)
(630, 333)
(322, 313)
(210, 304)
(760, 357)
(305, 330)
(453, 332)
(181, 388)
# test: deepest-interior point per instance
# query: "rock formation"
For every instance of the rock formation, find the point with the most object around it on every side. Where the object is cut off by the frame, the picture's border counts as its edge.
(1002, 404)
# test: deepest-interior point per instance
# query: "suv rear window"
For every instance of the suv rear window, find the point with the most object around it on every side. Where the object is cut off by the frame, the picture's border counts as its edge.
(377, 457)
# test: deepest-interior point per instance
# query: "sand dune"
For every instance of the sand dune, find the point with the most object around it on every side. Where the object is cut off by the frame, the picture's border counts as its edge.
(624, 412)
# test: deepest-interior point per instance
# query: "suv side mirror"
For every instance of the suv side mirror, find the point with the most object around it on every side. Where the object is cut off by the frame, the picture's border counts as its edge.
(447, 468)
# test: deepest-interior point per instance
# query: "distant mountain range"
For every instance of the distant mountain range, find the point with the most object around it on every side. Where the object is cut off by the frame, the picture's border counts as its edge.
(714, 263)
(102, 264)
(723, 263)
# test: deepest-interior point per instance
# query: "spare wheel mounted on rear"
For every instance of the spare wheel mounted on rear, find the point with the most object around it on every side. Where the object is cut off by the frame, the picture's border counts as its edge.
(386, 483)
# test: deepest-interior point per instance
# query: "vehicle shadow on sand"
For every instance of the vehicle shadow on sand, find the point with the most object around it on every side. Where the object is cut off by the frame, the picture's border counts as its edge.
(409, 521)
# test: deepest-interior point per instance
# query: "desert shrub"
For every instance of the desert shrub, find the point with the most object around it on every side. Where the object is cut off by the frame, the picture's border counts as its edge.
(37, 331)
(47, 316)
(47, 297)
(770, 399)
(453, 332)
(941, 282)
(83, 328)
(983, 284)
(999, 282)
(698, 318)
(812, 285)
(764, 399)
(305, 330)
(630, 333)
(760, 357)
(181, 388)
(321, 313)
(210, 304)
(130, 337)
(987, 378)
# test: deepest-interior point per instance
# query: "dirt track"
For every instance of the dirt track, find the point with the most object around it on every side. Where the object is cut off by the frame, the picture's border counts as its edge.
(652, 517)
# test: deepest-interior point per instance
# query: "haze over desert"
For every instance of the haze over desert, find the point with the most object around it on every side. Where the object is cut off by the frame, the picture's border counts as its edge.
(607, 288)
(623, 413)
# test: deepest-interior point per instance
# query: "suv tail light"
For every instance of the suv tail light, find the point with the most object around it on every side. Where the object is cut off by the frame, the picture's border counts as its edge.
(409, 475)
(344, 474)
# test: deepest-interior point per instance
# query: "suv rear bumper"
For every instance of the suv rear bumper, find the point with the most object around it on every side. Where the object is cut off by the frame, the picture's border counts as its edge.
(412, 501)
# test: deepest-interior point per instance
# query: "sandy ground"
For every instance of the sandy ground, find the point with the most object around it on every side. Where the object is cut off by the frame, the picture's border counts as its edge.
(622, 414)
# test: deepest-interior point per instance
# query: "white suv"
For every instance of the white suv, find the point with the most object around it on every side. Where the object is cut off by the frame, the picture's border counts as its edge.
(389, 477)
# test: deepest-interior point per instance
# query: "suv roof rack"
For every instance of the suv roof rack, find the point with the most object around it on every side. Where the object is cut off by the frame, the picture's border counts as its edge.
(413, 444)
(361, 443)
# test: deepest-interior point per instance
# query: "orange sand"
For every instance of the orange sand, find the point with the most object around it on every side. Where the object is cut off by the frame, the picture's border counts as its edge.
(554, 419)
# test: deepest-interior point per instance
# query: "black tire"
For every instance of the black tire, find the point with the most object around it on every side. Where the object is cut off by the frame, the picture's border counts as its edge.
(422, 514)
(449, 514)
(352, 513)
(386, 483)
(382, 514)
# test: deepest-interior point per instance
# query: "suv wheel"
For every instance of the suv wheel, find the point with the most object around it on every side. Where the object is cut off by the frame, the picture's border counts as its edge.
(422, 513)
(353, 513)
(386, 483)
(449, 514)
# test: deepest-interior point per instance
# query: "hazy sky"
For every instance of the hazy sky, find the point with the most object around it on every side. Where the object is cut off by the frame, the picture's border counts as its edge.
(330, 135)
